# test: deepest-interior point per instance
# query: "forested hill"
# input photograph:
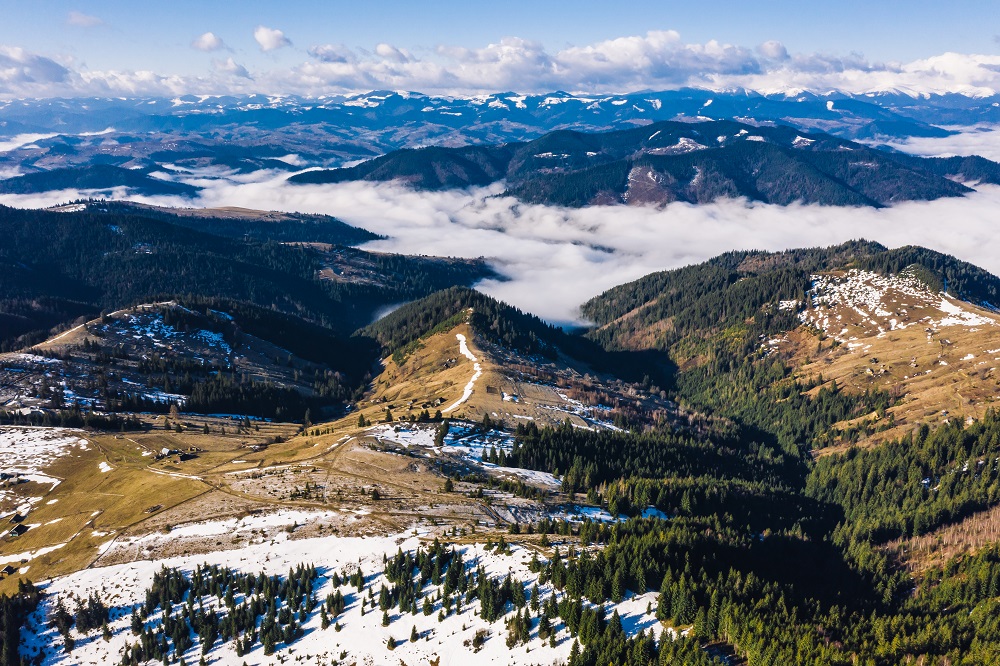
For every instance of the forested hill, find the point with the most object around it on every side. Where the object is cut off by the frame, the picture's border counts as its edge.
(102, 177)
(246, 224)
(55, 267)
(499, 322)
(754, 339)
(509, 328)
(679, 161)
(660, 309)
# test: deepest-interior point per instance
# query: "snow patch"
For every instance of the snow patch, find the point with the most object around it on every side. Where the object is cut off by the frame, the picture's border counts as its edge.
(478, 371)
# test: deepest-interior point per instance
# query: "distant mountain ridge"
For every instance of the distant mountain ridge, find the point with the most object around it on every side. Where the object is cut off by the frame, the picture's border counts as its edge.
(678, 161)
(101, 177)
(252, 132)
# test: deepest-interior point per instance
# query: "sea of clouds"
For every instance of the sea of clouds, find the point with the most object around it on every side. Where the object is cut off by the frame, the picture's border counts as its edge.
(553, 259)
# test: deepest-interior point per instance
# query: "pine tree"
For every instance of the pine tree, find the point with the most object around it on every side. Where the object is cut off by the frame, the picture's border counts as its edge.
(574, 654)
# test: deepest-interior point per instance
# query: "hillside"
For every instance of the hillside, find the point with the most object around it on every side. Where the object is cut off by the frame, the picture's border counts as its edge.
(678, 161)
(243, 223)
(523, 362)
(645, 493)
(97, 177)
(58, 266)
(211, 357)
(903, 331)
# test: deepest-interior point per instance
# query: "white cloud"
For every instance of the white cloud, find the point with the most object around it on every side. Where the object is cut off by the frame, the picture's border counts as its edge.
(658, 60)
(15, 142)
(270, 39)
(82, 20)
(391, 53)
(980, 140)
(207, 42)
(773, 50)
(231, 67)
(24, 71)
(332, 53)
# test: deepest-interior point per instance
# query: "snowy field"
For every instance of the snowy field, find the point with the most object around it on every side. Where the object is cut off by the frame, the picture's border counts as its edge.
(464, 440)
(362, 638)
(25, 451)
(595, 416)
(882, 303)
(256, 527)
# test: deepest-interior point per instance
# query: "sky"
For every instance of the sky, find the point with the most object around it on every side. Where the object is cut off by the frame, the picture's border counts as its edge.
(316, 47)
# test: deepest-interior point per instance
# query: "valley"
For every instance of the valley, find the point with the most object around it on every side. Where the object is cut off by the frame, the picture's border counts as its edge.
(518, 334)
(369, 460)
(466, 435)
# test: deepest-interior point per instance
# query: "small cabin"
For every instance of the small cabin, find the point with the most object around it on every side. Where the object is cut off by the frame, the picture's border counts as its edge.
(18, 530)
(7, 571)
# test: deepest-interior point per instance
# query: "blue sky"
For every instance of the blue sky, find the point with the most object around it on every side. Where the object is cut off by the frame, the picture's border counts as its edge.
(90, 39)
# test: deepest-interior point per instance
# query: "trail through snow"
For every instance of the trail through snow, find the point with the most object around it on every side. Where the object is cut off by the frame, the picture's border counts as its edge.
(463, 348)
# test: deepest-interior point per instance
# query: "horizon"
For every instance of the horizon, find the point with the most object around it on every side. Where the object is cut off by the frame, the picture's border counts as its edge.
(110, 48)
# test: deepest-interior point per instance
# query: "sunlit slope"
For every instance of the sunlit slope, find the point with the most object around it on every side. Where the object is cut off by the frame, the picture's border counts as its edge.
(934, 353)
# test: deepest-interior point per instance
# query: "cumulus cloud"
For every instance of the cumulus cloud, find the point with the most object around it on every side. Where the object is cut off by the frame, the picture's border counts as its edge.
(773, 50)
(391, 53)
(207, 42)
(556, 258)
(658, 59)
(270, 39)
(22, 70)
(333, 53)
(82, 20)
(231, 67)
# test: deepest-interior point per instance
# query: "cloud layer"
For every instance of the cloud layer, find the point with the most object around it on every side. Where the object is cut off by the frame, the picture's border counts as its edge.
(557, 258)
(984, 141)
(659, 59)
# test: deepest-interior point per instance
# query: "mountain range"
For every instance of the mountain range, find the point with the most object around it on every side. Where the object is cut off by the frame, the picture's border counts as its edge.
(248, 133)
(678, 161)
(240, 435)
(720, 434)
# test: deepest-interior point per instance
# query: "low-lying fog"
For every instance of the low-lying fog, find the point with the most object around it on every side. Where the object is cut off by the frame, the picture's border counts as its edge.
(556, 258)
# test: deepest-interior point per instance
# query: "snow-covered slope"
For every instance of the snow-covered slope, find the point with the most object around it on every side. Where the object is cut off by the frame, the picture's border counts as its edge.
(859, 304)
(361, 639)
